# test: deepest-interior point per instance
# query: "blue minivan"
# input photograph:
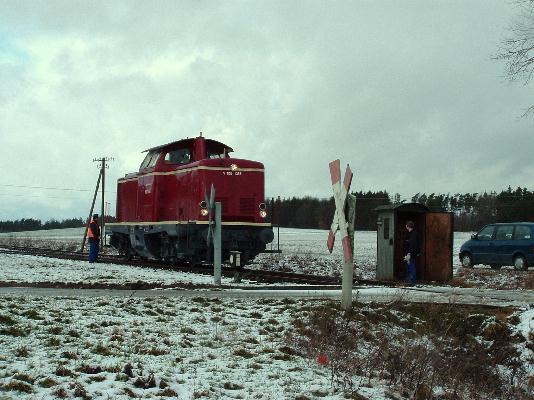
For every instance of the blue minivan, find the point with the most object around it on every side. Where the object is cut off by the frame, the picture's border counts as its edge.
(500, 244)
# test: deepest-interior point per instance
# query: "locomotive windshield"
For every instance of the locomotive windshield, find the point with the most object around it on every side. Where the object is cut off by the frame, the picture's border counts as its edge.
(178, 156)
(150, 160)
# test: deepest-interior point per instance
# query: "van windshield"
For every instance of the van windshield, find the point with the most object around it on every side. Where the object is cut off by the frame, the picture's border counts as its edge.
(486, 233)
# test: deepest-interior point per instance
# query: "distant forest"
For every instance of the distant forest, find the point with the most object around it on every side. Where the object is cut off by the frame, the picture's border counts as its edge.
(471, 211)
(30, 224)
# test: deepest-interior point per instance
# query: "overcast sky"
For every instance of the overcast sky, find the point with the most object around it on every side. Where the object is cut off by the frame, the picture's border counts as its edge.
(404, 91)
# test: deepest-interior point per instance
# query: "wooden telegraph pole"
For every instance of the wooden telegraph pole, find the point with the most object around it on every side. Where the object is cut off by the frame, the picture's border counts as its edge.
(344, 222)
(101, 178)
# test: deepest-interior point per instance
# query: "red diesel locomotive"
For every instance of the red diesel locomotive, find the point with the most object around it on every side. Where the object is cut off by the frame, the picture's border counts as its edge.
(162, 210)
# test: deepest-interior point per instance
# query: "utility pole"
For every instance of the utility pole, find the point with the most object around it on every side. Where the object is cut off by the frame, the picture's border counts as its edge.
(101, 178)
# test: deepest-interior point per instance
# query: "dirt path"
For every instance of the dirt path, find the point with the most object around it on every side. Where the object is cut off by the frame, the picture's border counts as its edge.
(489, 297)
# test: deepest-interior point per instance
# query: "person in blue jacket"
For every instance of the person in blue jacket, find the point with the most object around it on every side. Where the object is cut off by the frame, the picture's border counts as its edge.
(93, 232)
(411, 250)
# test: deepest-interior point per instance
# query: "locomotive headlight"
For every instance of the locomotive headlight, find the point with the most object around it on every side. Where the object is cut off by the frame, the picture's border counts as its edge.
(262, 206)
(203, 208)
(233, 167)
(263, 213)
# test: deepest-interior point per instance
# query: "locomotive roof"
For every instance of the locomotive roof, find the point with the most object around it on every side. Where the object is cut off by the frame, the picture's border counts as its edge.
(190, 141)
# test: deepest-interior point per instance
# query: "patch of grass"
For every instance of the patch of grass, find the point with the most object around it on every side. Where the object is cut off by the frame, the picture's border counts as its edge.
(47, 382)
(21, 351)
(152, 351)
(89, 369)
(255, 366)
(129, 392)
(73, 333)
(53, 342)
(24, 378)
(243, 353)
(61, 370)
(19, 386)
(168, 392)
(232, 386)
(55, 330)
(200, 300)
(33, 314)
(7, 320)
(99, 348)
(79, 390)
(187, 330)
(97, 378)
(69, 355)
(198, 394)
(282, 357)
(16, 331)
(251, 340)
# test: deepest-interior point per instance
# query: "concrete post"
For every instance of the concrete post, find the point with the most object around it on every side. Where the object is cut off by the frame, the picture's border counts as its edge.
(217, 245)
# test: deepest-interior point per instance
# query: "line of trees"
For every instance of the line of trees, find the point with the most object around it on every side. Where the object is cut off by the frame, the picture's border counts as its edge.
(30, 224)
(471, 210)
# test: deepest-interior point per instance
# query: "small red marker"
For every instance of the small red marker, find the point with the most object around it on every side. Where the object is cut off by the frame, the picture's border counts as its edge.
(322, 359)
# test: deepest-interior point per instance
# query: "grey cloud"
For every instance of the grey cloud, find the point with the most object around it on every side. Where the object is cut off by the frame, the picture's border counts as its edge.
(404, 92)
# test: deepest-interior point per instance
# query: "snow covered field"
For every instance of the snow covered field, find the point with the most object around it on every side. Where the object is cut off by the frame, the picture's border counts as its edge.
(191, 348)
(117, 347)
(303, 250)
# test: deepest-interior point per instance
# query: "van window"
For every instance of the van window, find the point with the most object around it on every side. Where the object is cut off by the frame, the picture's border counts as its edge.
(486, 233)
(504, 232)
(522, 232)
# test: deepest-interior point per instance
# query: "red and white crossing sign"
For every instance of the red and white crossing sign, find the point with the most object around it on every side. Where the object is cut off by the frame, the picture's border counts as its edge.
(341, 194)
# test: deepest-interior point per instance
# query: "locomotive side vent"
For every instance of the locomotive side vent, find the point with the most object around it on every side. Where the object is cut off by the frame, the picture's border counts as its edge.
(246, 205)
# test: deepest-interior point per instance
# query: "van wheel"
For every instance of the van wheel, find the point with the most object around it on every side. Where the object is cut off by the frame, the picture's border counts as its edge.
(495, 266)
(520, 263)
(466, 260)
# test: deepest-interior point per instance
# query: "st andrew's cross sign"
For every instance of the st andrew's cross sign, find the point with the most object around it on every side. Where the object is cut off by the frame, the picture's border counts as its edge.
(344, 222)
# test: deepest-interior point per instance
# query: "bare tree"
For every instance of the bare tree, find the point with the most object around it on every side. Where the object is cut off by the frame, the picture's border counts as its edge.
(517, 48)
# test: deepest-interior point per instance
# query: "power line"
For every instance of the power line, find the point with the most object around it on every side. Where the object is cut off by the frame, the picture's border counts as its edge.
(51, 188)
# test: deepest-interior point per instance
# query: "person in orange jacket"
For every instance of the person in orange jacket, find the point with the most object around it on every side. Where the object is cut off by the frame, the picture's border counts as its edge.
(93, 232)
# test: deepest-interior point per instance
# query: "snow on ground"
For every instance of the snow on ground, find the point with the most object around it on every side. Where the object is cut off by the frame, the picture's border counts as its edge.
(303, 251)
(25, 268)
(186, 348)
(122, 348)
(199, 347)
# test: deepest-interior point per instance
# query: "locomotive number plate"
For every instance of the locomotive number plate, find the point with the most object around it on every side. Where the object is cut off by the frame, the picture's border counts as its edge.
(228, 173)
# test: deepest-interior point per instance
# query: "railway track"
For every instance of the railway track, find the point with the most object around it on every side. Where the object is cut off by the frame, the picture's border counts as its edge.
(261, 276)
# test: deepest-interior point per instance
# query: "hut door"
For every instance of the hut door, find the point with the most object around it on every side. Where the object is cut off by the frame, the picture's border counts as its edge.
(438, 247)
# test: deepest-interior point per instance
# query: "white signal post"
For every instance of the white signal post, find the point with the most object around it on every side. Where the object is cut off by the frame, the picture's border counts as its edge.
(341, 195)
(217, 245)
(214, 233)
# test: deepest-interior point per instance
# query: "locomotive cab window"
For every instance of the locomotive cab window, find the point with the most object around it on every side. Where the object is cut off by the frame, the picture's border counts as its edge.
(217, 152)
(178, 156)
(150, 160)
